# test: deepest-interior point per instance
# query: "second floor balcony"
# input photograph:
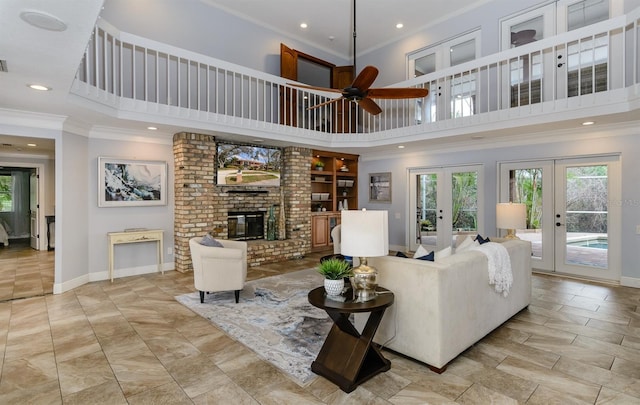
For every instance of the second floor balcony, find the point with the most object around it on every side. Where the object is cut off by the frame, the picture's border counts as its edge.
(589, 73)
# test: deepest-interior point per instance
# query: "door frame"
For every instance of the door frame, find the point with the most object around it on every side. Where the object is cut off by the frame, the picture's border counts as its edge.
(40, 170)
(550, 263)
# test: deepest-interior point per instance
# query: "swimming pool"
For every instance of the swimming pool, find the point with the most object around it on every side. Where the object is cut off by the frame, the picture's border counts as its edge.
(595, 243)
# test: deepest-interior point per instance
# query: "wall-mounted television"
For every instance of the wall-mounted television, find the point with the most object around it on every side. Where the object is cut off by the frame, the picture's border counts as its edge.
(248, 165)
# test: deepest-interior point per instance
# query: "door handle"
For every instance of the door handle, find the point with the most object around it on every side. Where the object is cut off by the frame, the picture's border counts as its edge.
(440, 217)
(558, 224)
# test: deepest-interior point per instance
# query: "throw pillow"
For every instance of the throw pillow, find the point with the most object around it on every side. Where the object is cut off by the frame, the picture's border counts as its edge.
(429, 257)
(400, 254)
(482, 240)
(421, 251)
(208, 240)
(441, 254)
(466, 244)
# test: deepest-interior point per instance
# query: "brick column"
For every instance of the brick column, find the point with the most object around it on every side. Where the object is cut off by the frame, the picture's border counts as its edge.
(194, 168)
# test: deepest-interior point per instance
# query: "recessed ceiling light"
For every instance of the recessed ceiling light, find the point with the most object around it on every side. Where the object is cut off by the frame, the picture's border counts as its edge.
(303, 25)
(477, 137)
(399, 25)
(32, 144)
(400, 146)
(588, 123)
(42, 20)
(152, 128)
(39, 87)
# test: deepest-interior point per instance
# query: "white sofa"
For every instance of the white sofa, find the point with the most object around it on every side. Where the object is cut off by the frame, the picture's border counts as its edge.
(442, 308)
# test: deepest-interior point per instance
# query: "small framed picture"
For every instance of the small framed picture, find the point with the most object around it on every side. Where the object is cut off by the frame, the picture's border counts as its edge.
(380, 187)
(130, 183)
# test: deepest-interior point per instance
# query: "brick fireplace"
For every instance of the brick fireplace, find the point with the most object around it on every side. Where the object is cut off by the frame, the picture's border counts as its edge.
(201, 206)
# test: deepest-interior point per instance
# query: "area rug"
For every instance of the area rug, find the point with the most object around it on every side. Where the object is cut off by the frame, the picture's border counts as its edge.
(273, 318)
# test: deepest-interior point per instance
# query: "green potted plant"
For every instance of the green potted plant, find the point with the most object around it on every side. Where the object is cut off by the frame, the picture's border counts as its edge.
(334, 271)
(319, 165)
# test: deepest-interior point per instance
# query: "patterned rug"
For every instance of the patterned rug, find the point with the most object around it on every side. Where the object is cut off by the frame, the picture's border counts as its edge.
(273, 318)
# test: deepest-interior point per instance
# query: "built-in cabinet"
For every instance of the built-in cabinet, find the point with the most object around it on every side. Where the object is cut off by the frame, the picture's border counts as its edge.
(334, 186)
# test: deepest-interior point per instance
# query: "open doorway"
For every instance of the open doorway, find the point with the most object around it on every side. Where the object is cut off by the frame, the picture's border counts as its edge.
(27, 199)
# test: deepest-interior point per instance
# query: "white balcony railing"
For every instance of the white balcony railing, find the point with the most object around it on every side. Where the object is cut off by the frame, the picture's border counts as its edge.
(589, 67)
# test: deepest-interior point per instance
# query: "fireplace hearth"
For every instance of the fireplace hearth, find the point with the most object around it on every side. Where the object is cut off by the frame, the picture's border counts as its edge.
(245, 225)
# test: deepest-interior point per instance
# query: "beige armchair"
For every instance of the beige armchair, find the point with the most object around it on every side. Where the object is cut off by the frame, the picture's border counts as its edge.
(219, 269)
(335, 236)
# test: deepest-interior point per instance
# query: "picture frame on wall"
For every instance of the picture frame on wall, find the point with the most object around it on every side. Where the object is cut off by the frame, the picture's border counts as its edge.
(380, 187)
(131, 182)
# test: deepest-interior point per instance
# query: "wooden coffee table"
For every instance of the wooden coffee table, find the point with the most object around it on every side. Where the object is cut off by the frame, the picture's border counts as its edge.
(348, 358)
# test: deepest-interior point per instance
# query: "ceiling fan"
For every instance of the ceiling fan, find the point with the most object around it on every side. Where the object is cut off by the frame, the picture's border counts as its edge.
(360, 90)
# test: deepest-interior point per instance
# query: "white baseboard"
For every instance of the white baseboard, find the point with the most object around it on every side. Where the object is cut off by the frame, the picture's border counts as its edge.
(630, 282)
(104, 275)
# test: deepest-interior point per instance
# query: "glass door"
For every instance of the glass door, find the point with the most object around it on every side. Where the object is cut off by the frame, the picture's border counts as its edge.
(587, 224)
(446, 202)
(571, 224)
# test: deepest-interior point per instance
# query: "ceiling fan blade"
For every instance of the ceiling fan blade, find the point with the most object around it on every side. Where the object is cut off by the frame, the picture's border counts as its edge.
(335, 100)
(400, 92)
(369, 106)
(303, 86)
(366, 78)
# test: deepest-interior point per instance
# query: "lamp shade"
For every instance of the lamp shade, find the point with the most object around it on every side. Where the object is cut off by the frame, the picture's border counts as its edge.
(511, 216)
(364, 233)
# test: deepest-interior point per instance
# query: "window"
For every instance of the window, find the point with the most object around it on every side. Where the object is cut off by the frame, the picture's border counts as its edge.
(6, 193)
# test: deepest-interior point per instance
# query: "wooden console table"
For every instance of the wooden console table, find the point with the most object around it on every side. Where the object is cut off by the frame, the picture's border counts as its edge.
(147, 235)
(347, 357)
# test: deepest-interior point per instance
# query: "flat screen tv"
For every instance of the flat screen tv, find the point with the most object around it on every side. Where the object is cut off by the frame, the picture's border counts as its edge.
(248, 165)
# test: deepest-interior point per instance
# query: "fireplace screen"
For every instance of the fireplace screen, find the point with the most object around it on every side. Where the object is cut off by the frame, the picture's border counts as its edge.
(246, 225)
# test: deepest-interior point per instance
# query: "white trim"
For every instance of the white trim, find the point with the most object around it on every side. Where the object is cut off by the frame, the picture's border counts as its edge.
(630, 282)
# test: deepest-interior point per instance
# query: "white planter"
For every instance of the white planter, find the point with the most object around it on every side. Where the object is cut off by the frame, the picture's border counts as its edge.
(333, 287)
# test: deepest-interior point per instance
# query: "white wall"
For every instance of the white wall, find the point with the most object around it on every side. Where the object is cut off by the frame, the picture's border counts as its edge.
(627, 144)
(129, 258)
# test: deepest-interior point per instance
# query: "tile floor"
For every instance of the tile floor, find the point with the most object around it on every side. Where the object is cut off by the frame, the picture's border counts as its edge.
(131, 342)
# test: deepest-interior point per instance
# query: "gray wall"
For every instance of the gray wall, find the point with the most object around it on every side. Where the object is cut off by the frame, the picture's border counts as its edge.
(215, 33)
(628, 145)
(116, 219)
(72, 203)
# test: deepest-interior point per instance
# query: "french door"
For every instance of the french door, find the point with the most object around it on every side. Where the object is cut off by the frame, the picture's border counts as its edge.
(446, 202)
(573, 222)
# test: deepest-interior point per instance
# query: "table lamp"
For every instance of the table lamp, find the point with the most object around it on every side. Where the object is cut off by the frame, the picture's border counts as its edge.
(364, 234)
(511, 216)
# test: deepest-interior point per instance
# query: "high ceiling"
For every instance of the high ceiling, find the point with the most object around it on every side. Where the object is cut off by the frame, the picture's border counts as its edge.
(51, 57)
(330, 22)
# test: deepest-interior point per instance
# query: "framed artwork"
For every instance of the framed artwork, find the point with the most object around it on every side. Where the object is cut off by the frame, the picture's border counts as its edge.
(380, 187)
(131, 183)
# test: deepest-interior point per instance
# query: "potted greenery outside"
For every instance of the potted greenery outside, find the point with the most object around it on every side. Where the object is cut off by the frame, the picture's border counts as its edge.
(319, 165)
(334, 271)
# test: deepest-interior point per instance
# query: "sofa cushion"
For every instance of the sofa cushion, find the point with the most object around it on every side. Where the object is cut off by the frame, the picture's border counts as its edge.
(420, 251)
(208, 240)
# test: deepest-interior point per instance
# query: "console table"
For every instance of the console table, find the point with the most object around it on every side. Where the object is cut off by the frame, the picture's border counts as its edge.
(147, 235)
(348, 358)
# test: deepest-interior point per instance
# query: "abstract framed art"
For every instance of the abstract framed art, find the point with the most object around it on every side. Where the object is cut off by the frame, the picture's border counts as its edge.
(380, 187)
(131, 183)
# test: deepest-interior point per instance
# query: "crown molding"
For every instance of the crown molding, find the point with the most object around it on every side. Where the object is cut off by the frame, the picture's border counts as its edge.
(128, 135)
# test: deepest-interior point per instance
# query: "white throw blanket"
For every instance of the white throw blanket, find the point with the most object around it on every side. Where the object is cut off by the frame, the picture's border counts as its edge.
(500, 275)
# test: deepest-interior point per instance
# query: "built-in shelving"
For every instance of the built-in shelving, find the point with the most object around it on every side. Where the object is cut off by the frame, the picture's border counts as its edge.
(334, 180)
